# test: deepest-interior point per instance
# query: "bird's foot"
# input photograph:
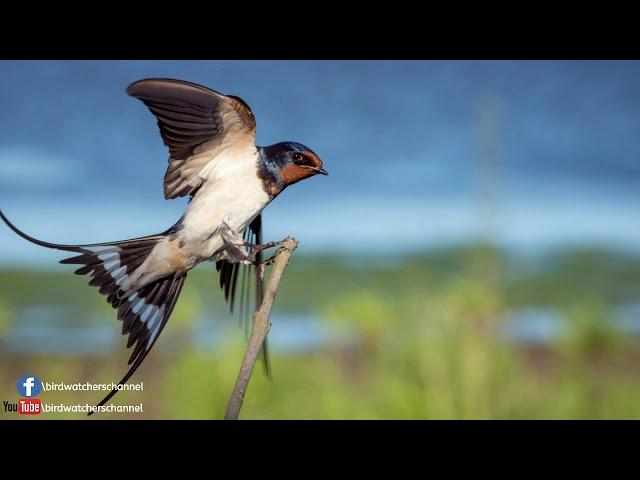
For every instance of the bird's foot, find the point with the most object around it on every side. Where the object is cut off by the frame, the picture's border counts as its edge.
(268, 261)
(255, 248)
(261, 264)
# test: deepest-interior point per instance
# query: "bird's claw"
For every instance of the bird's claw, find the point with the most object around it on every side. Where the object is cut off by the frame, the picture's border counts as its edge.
(268, 261)
(265, 246)
(255, 249)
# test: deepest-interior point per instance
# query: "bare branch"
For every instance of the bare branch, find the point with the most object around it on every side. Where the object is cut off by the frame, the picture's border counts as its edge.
(259, 329)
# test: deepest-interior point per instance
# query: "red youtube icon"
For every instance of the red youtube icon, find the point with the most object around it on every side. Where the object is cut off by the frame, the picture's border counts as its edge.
(29, 406)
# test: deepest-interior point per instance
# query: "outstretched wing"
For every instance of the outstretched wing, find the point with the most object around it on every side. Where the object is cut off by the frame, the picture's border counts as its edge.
(231, 273)
(198, 125)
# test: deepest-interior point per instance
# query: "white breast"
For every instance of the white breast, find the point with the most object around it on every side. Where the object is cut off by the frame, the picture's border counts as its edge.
(233, 194)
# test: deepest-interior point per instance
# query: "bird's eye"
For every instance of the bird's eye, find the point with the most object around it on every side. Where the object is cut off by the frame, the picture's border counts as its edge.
(297, 157)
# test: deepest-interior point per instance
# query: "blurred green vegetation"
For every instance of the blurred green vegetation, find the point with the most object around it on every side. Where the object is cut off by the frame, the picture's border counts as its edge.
(415, 337)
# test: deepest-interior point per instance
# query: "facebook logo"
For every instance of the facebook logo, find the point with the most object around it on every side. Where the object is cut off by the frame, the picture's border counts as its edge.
(29, 386)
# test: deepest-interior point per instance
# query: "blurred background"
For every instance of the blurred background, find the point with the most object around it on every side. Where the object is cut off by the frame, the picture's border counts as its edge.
(474, 253)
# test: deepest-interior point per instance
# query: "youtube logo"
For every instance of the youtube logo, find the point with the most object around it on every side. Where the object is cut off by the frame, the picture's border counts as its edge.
(29, 406)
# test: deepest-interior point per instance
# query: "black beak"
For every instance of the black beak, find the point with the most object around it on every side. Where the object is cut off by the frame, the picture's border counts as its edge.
(321, 171)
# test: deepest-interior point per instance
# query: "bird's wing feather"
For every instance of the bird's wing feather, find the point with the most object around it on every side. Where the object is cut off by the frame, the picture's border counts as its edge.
(197, 125)
(231, 273)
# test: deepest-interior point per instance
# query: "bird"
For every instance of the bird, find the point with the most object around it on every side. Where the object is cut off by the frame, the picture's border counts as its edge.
(214, 160)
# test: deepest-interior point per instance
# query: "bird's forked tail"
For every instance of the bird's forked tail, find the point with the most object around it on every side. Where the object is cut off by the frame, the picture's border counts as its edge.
(143, 312)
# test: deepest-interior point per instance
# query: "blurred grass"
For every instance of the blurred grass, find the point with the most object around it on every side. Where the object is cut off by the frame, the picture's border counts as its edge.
(422, 341)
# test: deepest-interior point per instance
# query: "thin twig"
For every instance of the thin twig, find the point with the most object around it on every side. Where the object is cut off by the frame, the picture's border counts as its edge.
(259, 329)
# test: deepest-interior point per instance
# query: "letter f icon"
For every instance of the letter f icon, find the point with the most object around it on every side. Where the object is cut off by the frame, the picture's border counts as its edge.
(28, 385)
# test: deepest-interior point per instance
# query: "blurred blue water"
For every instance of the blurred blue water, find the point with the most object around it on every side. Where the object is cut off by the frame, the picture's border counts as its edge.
(532, 154)
(47, 330)
(533, 325)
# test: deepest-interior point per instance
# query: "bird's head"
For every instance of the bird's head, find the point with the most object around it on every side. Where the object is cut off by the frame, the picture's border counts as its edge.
(294, 162)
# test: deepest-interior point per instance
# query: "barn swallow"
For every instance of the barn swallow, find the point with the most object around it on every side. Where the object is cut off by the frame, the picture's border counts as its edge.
(214, 160)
